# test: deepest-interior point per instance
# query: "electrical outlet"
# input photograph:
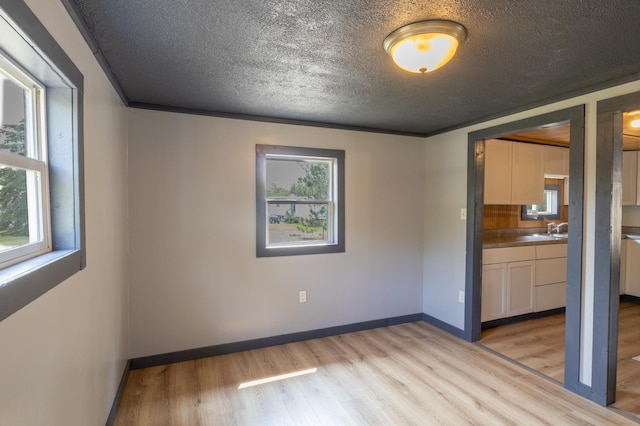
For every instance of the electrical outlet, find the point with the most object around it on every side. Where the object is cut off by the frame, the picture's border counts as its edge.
(463, 213)
(302, 295)
(461, 296)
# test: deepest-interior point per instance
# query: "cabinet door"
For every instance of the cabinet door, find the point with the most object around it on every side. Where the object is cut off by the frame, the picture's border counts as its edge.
(629, 177)
(527, 176)
(520, 287)
(497, 171)
(494, 288)
(632, 285)
(623, 266)
(556, 161)
(551, 296)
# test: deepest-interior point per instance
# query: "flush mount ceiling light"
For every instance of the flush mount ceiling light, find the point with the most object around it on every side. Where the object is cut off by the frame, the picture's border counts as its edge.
(635, 119)
(424, 46)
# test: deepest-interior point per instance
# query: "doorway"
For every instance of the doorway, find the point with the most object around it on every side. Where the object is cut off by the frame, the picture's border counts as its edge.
(574, 117)
(615, 331)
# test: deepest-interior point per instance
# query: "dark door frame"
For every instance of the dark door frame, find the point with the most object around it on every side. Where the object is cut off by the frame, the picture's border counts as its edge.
(475, 206)
(608, 224)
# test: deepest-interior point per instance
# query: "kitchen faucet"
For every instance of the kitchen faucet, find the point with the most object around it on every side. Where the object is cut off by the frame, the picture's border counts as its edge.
(550, 227)
(557, 228)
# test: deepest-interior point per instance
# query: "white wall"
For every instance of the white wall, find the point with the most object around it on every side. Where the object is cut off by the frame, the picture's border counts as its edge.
(62, 356)
(446, 162)
(195, 278)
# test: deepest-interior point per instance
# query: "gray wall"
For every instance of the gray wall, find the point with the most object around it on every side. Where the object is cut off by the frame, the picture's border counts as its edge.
(195, 278)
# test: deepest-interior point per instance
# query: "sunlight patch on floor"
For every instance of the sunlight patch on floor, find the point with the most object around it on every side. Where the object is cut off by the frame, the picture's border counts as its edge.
(277, 378)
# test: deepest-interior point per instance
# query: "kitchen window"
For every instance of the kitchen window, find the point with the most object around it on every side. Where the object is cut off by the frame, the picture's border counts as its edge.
(299, 201)
(549, 209)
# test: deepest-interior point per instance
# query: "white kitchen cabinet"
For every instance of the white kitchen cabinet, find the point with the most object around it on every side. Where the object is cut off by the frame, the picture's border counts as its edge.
(520, 294)
(632, 284)
(497, 171)
(556, 161)
(629, 178)
(623, 266)
(494, 287)
(520, 280)
(551, 296)
(507, 282)
(514, 173)
(527, 174)
(551, 277)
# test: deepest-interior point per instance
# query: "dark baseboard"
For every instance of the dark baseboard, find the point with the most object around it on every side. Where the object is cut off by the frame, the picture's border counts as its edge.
(116, 401)
(630, 299)
(227, 348)
(518, 318)
(443, 326)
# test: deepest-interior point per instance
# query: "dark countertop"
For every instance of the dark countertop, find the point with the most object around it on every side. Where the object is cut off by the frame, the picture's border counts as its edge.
(537, 236)
(499, 241)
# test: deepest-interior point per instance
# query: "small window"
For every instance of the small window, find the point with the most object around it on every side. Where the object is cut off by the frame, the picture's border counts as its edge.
(24, 201)
(549, 209)
(299, 200)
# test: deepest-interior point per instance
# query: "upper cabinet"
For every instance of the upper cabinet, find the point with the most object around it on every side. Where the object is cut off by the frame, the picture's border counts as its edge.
(527, 174)
(556, 161)
(514, 173)
(497, 171)
(630, 178)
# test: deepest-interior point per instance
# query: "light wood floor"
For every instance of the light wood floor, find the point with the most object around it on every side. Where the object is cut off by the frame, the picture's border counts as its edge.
(410, 374)
(539, 345)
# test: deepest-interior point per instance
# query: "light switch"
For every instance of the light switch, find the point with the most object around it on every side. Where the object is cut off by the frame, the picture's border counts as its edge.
(463, 213)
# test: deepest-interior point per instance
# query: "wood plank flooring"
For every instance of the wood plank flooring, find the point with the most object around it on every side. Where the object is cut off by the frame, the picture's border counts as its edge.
(410, 374)
(539, 345)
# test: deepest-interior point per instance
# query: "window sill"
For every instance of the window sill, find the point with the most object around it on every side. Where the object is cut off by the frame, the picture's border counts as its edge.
(22, 283)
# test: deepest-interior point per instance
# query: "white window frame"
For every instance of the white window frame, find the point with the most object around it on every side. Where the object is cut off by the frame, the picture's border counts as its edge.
(34, 162)
(335, 242)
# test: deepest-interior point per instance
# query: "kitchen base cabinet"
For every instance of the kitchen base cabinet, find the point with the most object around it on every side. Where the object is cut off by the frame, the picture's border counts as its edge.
(623, 267)
(520, 276)
(551, 296)
(507, 282)
(521, 280)
(494, 287)
(632, 284)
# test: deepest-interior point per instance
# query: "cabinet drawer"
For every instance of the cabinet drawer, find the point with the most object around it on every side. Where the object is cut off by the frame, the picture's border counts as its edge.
(508, 254)
(549, 251)
(550, 271)
(551, 296)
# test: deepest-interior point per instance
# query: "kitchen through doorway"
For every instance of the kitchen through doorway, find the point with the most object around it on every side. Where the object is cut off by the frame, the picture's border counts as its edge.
(524, 241)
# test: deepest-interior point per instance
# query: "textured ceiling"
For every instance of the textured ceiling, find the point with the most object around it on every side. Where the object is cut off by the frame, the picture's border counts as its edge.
(322, 61)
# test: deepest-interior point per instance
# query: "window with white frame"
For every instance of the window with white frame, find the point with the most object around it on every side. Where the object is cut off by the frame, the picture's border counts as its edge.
(299, 200)
(24, 201)
(42, 238)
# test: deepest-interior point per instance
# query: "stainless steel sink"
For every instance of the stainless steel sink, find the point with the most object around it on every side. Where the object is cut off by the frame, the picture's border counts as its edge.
(550, 236)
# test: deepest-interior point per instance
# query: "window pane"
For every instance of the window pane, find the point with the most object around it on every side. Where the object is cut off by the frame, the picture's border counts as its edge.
(20, 207)
(298, 179)
(12, 116)
(298, 223)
